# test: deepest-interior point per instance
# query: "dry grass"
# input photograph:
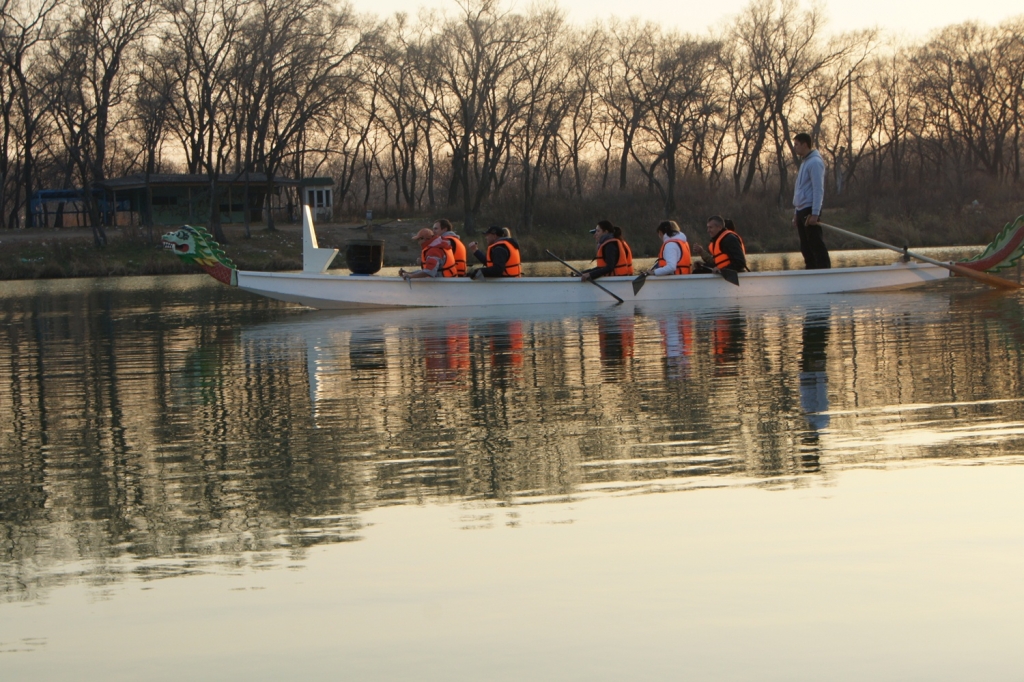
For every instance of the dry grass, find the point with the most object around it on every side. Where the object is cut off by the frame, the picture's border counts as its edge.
(561, 226)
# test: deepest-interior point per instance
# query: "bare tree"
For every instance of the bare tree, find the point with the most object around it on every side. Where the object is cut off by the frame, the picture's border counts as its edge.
(473, 60)
(675, 91)
(586, 63)
(966, 77)
(295, 59)
(23, 29)
(824, 94)
(400, 82)
(542, 75)
(778, 52)
(623, 92)
(87, 84)
(152, 104)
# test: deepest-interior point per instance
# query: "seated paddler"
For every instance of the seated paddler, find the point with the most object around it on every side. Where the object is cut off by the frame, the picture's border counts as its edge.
(436, 257)
(725, 251)
(502, 258)
(443, 228)
(614, 257)
(674, 256)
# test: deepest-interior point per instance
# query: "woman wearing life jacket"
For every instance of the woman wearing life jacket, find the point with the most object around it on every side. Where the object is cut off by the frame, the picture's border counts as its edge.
(674, 256)
(614, 257)
(726, 250)
(443, 228)
(502, 258)
(436, 257)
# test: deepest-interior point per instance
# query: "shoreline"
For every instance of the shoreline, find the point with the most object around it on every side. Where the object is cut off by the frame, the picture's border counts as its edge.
(64, 253)
(61, 253)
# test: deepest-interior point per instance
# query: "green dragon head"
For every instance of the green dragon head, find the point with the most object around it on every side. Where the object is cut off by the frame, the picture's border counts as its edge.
(195, 245)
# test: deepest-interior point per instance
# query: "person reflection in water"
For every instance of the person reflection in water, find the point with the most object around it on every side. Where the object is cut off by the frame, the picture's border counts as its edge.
(728, 336)
(446, 353)
(615, 339)
(677, 337)
(506, 343)
(814, 382)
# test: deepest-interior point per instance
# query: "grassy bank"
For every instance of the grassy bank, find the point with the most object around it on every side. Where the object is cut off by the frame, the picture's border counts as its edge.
(58, 253)
(45, 254)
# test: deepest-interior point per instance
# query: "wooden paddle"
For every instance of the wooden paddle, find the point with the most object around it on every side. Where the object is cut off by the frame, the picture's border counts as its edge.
(638, 283)
(729, 275)
(983, 277)
(589, 280)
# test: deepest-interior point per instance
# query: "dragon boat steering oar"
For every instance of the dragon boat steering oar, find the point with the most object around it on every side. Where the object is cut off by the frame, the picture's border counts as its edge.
(978, 275)
(589, 280)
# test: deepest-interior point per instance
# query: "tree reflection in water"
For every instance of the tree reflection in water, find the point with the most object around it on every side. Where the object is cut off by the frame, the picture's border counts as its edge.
(187, 423)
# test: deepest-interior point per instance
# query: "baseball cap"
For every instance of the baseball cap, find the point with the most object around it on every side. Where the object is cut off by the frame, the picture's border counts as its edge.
(423, 234)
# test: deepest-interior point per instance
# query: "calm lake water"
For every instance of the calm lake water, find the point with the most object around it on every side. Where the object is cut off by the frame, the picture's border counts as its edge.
(196, 483)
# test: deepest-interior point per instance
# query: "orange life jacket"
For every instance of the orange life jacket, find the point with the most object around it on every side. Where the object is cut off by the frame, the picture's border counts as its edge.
(683, 266)
(459, 251)
(625, 264)
(442, 252)
(513, 266)
(721, 258)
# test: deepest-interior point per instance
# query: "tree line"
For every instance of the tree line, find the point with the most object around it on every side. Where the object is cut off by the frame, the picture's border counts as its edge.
(483, 108)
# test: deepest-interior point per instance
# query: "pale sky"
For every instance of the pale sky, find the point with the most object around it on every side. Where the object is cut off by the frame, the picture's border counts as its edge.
(912, 18)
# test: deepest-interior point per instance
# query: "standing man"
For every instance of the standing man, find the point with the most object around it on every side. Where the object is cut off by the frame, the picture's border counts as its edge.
(808, 194)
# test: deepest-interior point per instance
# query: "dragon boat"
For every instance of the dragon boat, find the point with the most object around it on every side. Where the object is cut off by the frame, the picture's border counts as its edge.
(315, 287)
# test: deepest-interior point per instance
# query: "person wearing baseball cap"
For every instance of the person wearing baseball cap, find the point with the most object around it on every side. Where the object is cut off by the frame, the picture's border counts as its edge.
(502, 258)
(436, 257)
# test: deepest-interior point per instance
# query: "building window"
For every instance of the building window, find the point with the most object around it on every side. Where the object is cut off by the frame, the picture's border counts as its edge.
(319, 198)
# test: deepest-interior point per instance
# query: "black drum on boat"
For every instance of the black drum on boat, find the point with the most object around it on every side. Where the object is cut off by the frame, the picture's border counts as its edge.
(364, 256)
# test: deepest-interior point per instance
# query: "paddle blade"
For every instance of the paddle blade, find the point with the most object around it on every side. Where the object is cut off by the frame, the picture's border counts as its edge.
(638, 283)
(730, 276)
(984, 277)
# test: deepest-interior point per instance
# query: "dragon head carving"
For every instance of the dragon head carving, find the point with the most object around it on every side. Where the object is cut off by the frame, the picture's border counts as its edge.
(195, 245)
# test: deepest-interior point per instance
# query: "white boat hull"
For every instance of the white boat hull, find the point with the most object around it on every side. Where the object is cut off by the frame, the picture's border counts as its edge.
(341, 292)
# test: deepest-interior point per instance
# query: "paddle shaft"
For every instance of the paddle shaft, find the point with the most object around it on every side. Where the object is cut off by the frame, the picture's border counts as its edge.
(581, 274)
(984, 277)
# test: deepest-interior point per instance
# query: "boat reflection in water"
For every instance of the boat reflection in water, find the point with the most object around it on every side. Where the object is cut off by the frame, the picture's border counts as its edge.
(123, 414)
(366, 353)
